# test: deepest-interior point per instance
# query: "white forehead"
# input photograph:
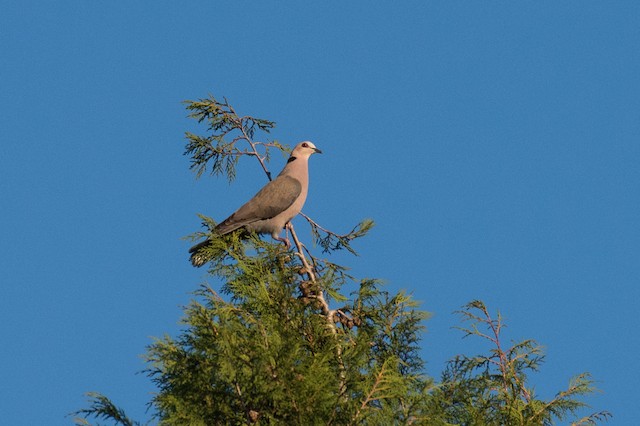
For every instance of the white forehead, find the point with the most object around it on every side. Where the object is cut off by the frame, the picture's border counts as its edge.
(309, 144)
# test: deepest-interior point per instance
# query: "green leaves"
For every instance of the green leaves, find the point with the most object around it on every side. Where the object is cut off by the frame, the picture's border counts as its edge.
(330, 241)
(493, 389)
(218, 151)
(263, 355)
(101, 407)
(259, 351)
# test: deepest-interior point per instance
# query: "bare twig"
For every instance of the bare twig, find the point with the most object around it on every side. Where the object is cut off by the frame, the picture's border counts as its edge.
(242, 128)
(326, 310)
(311, 274)
(314, 223)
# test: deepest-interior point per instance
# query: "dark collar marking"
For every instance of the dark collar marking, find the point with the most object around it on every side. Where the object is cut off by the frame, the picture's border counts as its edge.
(291, 159)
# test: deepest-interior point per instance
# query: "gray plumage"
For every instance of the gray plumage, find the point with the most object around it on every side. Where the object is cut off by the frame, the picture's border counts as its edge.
(273, 206)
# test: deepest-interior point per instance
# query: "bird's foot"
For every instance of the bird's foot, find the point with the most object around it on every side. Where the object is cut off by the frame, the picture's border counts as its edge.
(285, 241)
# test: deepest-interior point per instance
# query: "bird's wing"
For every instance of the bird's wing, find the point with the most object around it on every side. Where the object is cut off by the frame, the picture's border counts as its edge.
(274, 198)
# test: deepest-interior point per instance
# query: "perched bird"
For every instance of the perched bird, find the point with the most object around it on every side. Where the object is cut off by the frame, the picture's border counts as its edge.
(274, 205)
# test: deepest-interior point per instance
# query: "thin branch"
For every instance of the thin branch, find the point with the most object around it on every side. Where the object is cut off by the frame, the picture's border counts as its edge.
(326, 310)
(314, 223)
(246, 136)
(370, 396)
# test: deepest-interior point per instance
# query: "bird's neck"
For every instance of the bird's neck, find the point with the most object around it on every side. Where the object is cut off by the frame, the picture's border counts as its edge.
(296, 167)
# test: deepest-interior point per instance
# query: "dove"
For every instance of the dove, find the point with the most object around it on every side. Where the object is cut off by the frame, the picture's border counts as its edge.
(273, 206)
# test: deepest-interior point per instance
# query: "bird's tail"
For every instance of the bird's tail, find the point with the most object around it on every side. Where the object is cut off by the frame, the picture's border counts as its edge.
(198, 259)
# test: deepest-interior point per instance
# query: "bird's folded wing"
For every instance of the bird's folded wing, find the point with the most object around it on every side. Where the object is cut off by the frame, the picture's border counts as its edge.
(271, 200)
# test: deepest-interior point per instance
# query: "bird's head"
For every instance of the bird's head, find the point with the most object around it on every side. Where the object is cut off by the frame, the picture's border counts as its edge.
(304, 150)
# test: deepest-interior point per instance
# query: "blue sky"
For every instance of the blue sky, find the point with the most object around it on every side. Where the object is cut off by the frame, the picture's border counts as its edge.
(495, 144)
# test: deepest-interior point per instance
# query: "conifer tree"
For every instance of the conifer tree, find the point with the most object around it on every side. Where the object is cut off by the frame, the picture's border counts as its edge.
(493, 388)
(278, 342)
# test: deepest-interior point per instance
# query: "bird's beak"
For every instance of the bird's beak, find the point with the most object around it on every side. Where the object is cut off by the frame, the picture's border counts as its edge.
(317, 150)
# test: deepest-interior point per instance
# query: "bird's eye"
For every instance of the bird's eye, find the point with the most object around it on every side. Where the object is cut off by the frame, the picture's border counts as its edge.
(305, 145)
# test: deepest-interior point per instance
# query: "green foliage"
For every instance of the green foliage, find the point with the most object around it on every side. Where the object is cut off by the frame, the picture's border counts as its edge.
(268, 356)
(492, 389)
(101, 407)
(330, 241)
(219, 149)
(269, 347)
